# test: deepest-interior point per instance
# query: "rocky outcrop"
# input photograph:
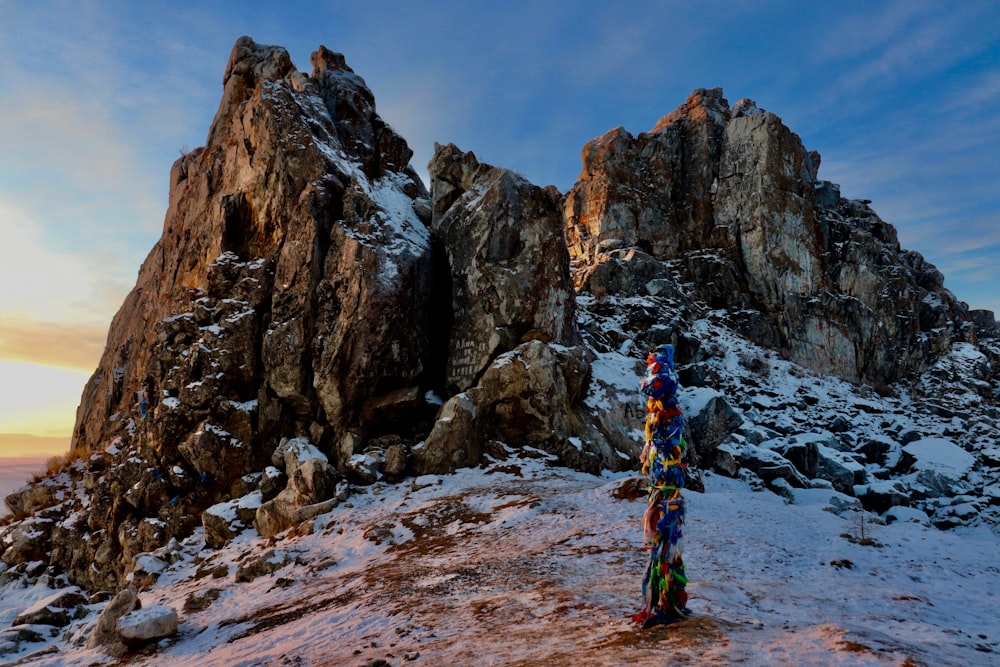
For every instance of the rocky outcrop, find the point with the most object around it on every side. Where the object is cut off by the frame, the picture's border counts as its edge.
(507, 262)
(529, 397)
(308, 290)
(311, 482)
(295, 220)
(312, 318)
(731, 198)
(290, 292)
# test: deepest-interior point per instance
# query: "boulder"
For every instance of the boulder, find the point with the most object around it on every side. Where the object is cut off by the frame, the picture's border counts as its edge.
(614, 408)
(33, 497)
(58, 609)
(311, 482)
(839, 468)
(397, 459)
(28, 540)
(814, 455)
(105, 630)
(527, 397)
(709, 419)
(363, 467)
(769, 465)
(902, 513)
(290, 451)
(456, 439)
(272, 482)
(882, 451)
(879, 496)
(146, 625)
(940, 458)
(224, 521)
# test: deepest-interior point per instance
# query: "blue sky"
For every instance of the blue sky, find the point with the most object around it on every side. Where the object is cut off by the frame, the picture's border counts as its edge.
(902, 99)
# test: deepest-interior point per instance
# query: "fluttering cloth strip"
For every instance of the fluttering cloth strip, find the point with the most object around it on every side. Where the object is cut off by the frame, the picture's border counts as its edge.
(662, 458)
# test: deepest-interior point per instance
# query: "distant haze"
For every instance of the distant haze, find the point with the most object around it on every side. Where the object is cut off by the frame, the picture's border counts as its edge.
(23, 445)
(15, 472)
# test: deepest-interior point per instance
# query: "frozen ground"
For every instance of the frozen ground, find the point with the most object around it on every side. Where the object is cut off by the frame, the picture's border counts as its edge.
(522, 563)
(526, 563)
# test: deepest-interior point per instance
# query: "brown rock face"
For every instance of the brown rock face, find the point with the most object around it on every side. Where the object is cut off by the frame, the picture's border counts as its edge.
(284, 222)
(291, 287)
(731, 196)
(311, 306)
(300, 291)
(610, 206)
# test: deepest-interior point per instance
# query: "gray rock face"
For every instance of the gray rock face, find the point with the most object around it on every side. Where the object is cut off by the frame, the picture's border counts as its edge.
(707, 423)
(105, 630)
(527, 397)
(147, 624)
(507, 261)
(731, 196)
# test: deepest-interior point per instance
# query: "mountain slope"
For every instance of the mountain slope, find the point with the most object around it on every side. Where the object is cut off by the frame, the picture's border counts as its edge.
(330, 419)
(522, 563)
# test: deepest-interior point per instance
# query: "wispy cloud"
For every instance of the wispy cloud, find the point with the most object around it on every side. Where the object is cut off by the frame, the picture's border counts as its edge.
(56, 344)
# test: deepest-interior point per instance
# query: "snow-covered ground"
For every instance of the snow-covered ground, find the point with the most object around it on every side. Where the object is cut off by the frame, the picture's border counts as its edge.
(524, 563)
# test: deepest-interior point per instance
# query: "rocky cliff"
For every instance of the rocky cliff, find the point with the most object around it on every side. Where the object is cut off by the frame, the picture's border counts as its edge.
(313, 319)
(731, 197)
(306, 312)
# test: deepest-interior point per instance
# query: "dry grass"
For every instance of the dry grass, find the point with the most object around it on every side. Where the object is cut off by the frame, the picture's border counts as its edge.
(56, 464)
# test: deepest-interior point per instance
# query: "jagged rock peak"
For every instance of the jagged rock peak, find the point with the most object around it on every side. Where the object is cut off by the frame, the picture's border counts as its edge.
(704, 104)
(288, 296)
(745, 107)
(324, 59)
(257, 62)
(732, 196)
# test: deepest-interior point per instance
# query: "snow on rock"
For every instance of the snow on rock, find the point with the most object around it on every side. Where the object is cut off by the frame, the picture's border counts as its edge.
(901, 513)
(942, 456)
(224, 521)
(147, 624)
(293, 452)
(363, 467)
(770, 582)
(992, 492)
(57, 609)
(879, 495)
(147, 562)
